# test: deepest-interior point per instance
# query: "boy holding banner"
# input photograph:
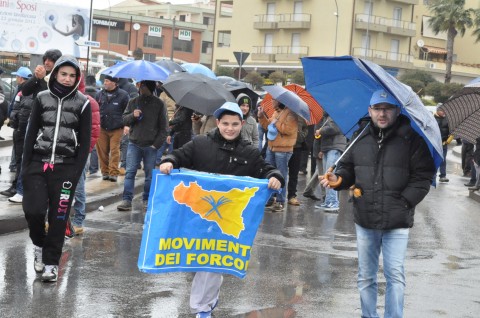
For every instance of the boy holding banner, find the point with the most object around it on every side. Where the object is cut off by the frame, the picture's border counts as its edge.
(221, 151)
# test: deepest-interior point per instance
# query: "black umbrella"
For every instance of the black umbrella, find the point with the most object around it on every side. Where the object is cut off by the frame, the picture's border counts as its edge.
(196, 91)
(170, 65)
(463, 113)
(237, 87)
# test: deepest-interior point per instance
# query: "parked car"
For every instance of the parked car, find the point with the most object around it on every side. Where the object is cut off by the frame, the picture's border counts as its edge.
(7, 90)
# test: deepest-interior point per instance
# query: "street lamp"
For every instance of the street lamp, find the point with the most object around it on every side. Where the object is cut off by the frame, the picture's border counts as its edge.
(336, 29)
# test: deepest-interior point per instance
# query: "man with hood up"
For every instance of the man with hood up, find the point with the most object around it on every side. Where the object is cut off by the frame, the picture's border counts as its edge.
(38, 82)
(250, 128)
(56, 148)
(146, 115)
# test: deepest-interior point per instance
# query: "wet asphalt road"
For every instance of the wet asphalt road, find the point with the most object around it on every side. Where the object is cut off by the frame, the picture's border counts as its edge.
(303, 265)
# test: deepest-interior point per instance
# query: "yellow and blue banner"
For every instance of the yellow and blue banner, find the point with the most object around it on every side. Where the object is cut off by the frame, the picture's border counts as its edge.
(200, 221)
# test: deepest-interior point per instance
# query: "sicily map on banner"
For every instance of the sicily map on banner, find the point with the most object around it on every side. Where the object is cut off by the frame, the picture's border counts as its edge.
(199, 221)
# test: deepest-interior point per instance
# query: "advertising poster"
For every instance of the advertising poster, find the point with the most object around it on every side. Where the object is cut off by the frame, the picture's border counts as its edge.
(198, 221)
(35, 26)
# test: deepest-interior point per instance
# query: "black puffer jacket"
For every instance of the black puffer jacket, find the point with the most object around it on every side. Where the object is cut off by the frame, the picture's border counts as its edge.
(394, 175)
(212, 153)
(21, 112)
(59, 129)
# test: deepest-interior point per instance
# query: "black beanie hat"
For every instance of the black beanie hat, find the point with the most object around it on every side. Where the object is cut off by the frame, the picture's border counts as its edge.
(111, 79)
(244, 99)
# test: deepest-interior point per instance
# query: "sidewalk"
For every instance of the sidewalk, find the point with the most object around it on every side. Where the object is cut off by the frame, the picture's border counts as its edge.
(99, 192)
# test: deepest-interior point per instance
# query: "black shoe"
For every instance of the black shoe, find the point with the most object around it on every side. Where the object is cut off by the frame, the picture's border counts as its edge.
(312, 196)
(1, 138)
(470, 184)
(113, 178)
(443, 179)
(10, 192)
(106, 177)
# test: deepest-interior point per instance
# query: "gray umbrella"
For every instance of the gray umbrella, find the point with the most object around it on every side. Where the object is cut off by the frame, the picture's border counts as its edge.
(196, 91)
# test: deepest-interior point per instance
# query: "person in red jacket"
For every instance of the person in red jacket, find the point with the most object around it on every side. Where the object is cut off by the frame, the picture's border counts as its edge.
(80, 195)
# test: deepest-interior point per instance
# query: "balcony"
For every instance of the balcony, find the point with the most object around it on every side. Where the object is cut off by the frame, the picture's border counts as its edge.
(406, 1)
(263, 53)
(266, 21)
(381, 24)
(290, 53)
(295, 21)
(385, 58)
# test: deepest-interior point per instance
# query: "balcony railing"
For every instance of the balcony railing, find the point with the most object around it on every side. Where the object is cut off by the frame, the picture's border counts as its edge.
(382, 24)
(295, 21)
(279, 53)
(282, 21)
(406, 1)
(391, 59)
(266, 21)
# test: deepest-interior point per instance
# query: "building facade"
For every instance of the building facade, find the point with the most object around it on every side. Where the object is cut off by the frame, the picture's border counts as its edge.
(277, 33)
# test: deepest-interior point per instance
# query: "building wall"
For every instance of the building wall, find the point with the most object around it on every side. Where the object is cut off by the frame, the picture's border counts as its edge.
(240, 17)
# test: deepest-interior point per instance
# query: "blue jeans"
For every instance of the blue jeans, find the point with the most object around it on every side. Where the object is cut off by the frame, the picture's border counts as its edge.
(161, 150)
(280, 161)
(393, 245)
(262, 133)
(93, 166)
(135, 154)
(443, 165)
(123, 151)
(329, 159)
(80, 200)
(20, 182)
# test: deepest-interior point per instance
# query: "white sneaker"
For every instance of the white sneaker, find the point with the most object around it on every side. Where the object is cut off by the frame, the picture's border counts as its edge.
(50, 273)
(37, 259)
(17, 199)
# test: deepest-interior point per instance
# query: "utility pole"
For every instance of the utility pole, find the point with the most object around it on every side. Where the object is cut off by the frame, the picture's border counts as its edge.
(173, 38)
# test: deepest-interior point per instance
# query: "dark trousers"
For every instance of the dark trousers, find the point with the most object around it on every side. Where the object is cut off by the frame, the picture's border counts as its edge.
(467, 156)
(293, 169)
(18, 139)
(51, 191)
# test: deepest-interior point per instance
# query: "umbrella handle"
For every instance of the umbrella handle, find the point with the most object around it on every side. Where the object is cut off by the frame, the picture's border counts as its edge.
(332, 184)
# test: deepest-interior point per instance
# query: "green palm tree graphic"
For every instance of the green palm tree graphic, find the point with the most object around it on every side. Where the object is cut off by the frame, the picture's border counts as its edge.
(215, 204)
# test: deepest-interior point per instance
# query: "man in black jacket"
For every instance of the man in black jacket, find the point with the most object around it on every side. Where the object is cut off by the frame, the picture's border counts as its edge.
(392, 169)
(146, 115)
(113, 101)
(220, 151)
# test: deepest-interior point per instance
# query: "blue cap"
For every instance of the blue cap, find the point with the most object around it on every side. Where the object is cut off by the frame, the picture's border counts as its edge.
(381, 96)
(23, 72)
(233, 107)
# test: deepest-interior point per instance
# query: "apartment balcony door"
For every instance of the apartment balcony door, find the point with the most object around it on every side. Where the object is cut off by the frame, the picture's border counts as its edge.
(295, 43)
(268, 43)
(397, 17)
(394, 49)
(270, 12)
(297, 11)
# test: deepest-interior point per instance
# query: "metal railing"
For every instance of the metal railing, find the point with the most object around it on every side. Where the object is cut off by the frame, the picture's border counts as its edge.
(373, 19)
(382, 55)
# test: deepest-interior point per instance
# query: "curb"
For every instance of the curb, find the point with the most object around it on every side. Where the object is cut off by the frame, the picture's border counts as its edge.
(18, 222)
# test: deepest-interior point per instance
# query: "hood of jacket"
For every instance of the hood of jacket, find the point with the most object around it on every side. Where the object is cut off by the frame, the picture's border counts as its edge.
(69, 60)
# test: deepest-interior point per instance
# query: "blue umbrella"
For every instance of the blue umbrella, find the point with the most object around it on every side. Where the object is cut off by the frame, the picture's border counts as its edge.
(344, 85)
(289, 99)
(139, 70)
(197, 68)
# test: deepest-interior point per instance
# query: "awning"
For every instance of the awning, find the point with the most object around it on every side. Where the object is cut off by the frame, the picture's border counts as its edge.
(435, 50)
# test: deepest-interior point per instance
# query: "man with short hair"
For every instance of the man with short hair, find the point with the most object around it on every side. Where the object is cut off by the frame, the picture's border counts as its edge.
(442, 122)
(146, 115)
(392, 169)
(112, 101)
(223, 151)
(37, 82)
